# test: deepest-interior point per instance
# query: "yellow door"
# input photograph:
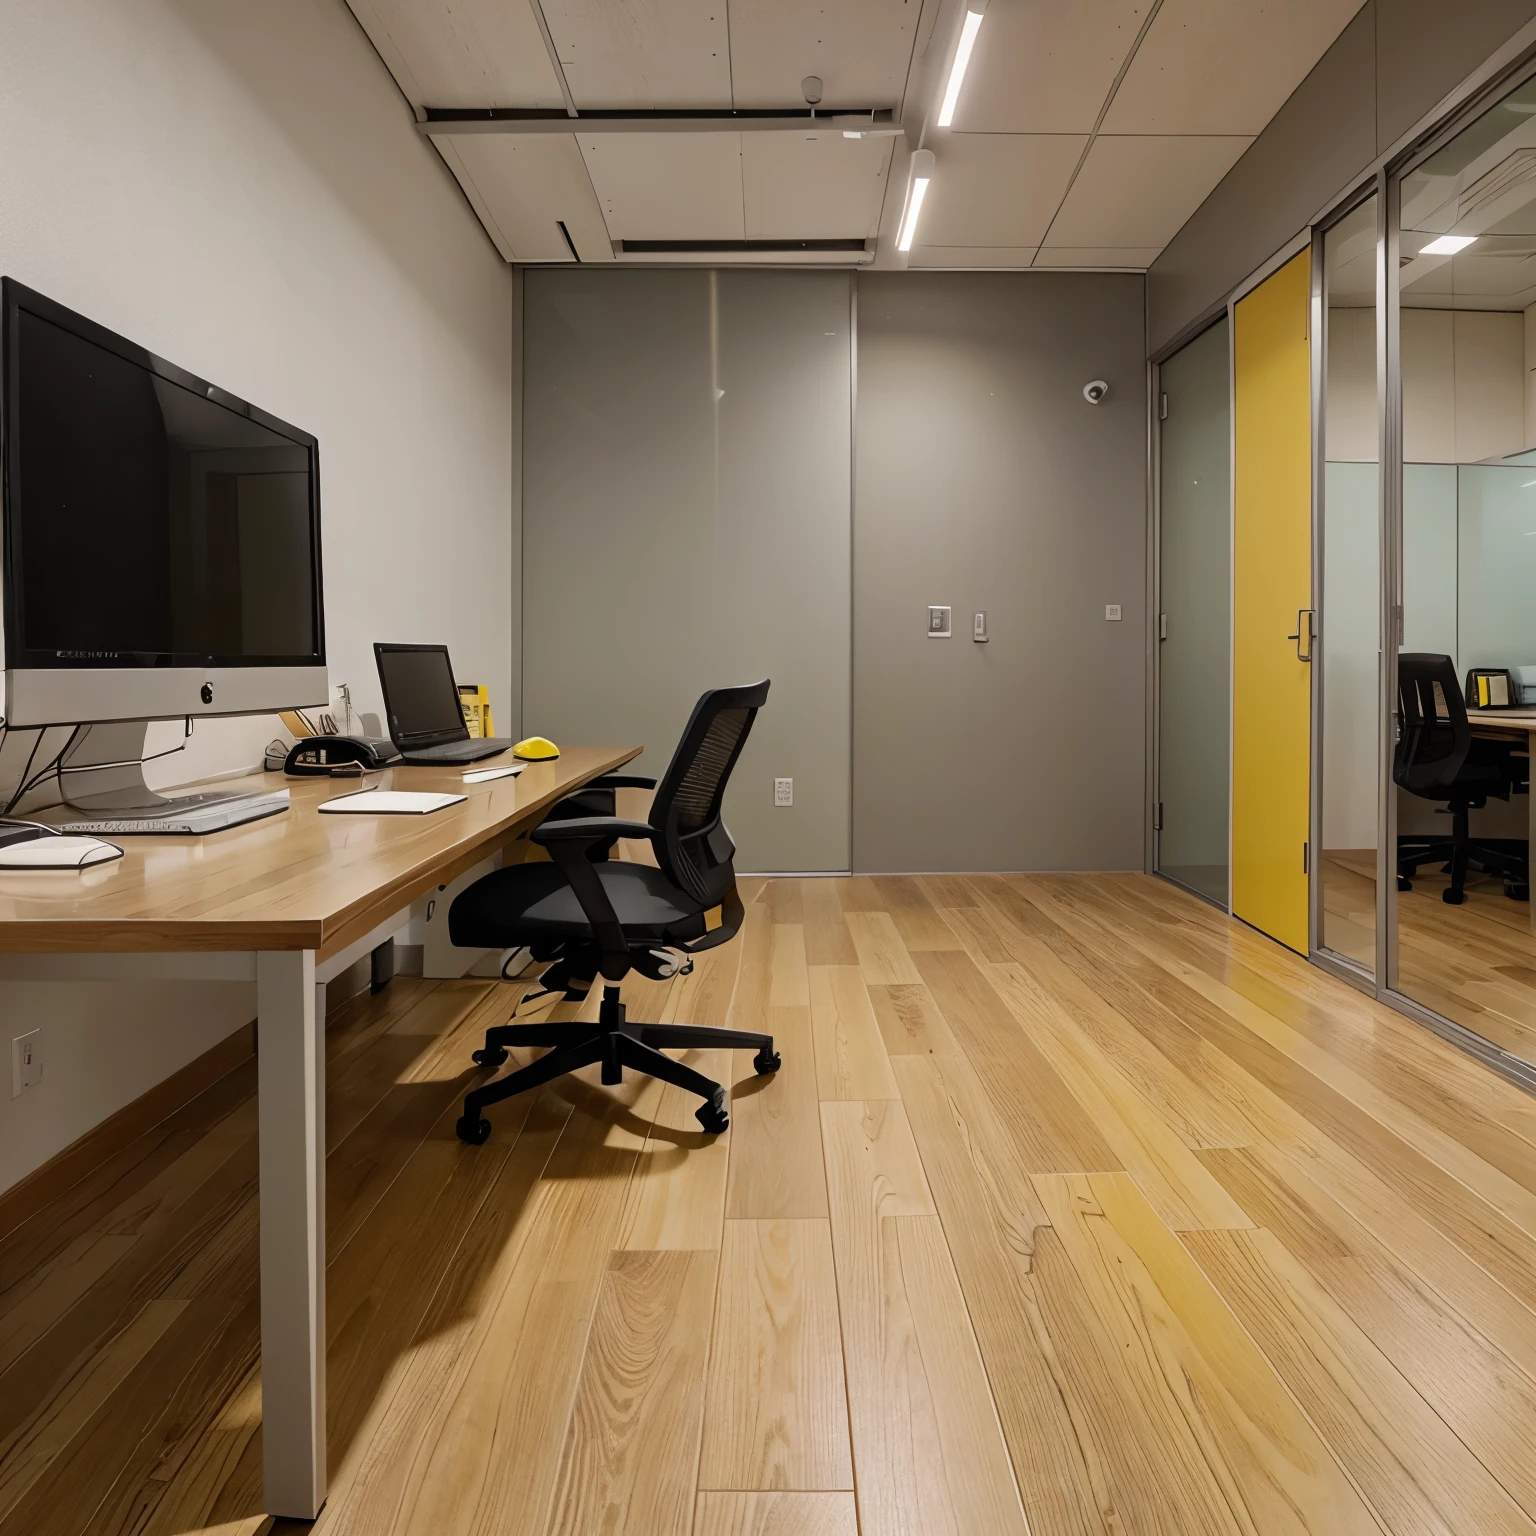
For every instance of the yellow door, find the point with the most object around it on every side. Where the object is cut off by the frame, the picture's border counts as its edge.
(1271, 602)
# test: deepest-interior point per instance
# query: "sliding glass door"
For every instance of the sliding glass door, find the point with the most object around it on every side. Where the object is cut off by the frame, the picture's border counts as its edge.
(1194, 622)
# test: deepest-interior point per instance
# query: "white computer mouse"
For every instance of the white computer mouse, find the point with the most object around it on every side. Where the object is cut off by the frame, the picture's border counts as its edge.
(64, 852)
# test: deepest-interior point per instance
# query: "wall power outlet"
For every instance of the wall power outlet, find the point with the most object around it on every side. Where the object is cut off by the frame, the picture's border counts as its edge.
(783, 791)
(26, 1062)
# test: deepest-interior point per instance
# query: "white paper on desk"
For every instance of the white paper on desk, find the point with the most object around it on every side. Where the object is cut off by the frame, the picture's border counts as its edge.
(391, 802)
(480, 775)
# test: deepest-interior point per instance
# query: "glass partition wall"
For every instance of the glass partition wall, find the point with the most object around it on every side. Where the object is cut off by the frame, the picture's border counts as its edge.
(1347, 548)
(1465, 282)
(1194, 621)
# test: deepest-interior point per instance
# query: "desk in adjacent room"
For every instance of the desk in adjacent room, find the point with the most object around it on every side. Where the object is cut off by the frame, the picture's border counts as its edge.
(1511, 722)
(287, 903)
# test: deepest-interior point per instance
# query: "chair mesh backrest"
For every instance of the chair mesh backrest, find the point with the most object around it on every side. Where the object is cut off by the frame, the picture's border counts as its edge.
(694, 849)
(1433, 733)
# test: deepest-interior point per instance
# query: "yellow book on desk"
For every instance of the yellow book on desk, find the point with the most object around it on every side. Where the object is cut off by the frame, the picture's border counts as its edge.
(475, 701)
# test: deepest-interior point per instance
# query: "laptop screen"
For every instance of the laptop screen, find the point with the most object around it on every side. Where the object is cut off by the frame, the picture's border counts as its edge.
(420, 697)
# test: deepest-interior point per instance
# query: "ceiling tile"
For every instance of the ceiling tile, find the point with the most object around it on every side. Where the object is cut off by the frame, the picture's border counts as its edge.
(861, 49)
(1223, 66)
(462, 53)
(523, 187)
(1140, 191)
(642, 53)
(667, 186)
(1046, 66)
(813, 186)
(1136, 257)
(970, 256)
(997, 189)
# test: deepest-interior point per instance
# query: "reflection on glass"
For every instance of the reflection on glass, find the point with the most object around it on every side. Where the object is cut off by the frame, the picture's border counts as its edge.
(1349, 642)
(1468, 296)
(1195, 651)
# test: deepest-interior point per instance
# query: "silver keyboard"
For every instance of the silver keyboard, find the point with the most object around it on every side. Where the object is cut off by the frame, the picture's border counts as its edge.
(201, 813)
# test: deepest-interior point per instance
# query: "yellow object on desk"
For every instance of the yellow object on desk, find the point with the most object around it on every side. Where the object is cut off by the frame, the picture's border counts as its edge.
(536, 749)
(475, 701)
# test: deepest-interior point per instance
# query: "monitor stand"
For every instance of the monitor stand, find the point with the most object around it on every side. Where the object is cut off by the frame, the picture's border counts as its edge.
(102, 776)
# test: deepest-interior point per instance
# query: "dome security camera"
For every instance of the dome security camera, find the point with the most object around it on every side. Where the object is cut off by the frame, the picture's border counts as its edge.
(1095, 391)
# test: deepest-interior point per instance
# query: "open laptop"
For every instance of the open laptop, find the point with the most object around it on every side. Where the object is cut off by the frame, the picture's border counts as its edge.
(422, 710)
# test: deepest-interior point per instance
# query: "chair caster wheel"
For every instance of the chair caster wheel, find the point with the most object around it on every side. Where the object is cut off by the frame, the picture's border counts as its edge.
(476, 1132)
(1517, 890)
(712, 1114)
(767, 1061)
(1404, 884)
(491, 1056)
(1453, 898)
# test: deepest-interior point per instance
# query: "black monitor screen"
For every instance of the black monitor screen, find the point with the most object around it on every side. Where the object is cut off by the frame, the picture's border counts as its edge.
(419, 693)
(147, 523)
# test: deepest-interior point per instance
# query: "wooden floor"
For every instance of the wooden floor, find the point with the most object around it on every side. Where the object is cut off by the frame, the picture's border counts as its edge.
(1475, 963)
(1076, 1208)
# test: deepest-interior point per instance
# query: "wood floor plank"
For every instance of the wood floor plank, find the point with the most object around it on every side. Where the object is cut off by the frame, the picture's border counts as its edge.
(1471, 1384)
(1053, 1131)
(776, 1514)
(1407, 1462)
(920, 926)
(990, 1211)
(883, 957)
(775, 1164)
(910, 1021)
(632, 1448)
(676, 1194)
(1277, 1473)
(776, 1413)
(851, 1060)
(33, 1447)
(919, 1424)
(827, 940)
(1178, 1184)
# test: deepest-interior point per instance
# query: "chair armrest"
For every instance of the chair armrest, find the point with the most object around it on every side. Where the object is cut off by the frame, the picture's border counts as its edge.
(589, 829)
(620, 781)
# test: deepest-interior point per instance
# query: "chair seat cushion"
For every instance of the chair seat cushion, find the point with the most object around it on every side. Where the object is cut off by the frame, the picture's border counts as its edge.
(532, 903)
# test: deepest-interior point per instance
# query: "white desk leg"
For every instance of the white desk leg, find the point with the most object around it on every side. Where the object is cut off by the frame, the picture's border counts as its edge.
(291, 1108)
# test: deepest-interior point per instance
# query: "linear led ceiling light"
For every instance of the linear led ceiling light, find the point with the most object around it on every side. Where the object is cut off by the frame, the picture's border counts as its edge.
(919, 174)
(968, 31)
(1447, 245)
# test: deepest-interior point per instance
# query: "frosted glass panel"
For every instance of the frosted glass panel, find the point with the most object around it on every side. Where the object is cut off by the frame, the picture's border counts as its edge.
(1194, 742)
(1496, 566)
(1429, 558)
(686, 524)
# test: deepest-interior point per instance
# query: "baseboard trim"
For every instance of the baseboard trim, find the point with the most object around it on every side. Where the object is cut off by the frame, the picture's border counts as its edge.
(67, 1167)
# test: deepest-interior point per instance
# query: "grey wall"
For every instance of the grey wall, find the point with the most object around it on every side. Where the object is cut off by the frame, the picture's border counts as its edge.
(985, 481)
(1393, 64)
(686, 504)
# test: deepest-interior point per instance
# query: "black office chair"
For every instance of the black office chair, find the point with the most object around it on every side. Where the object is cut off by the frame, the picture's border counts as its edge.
(1438, 758)
(595, 916)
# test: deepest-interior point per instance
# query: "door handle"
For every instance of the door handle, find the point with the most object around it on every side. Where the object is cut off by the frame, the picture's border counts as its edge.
(1310, 614)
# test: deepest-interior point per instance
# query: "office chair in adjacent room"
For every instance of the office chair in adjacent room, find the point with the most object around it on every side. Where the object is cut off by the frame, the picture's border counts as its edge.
(1438, 758)
(599, 917)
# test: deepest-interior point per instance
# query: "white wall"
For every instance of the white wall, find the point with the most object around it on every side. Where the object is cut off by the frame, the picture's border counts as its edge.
(239, 188)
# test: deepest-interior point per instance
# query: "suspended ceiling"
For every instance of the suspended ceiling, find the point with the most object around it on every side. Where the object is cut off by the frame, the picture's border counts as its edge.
(1087, 131)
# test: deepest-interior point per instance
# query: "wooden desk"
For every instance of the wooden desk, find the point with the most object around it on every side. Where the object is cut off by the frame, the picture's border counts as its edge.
(1520, 723)
(287, 903)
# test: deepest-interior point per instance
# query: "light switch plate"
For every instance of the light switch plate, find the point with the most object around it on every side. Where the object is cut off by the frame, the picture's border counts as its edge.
(26, 1062)
(1112, 611)
(938, 623)
(783, 791)
(979, 629)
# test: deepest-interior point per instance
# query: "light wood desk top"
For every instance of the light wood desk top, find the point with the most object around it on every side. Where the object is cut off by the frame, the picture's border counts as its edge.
(296, 881)
(1506, 719)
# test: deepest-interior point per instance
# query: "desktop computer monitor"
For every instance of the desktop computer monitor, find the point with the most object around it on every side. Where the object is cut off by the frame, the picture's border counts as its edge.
(161, 536)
